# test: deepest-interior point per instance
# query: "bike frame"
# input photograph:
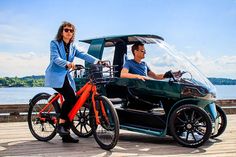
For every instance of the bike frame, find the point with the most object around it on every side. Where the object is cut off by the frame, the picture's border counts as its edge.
(84, 93)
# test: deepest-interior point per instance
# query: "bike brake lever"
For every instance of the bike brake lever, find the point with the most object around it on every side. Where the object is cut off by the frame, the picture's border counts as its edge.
(79, 67)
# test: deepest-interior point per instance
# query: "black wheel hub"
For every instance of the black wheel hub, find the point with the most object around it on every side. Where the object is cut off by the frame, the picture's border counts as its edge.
(189, 126)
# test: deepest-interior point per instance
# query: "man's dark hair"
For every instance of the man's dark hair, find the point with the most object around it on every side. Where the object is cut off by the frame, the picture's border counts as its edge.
(135, 46)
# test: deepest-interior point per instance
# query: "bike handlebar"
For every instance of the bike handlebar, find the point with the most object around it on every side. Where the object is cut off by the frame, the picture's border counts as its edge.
(103, 63)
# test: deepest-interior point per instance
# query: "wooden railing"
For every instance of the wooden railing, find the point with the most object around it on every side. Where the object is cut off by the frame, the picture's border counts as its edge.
(13, 112)
(18, 112)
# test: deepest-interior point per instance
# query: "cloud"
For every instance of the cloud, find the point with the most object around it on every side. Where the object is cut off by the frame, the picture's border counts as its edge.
(27, 63)
(19, 31)
(23, 64)
(10, 34)
(217, 67)
(26, 56)
(211, 67)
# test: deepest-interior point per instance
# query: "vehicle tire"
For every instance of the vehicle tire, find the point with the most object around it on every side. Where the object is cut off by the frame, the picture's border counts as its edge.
(190, 125)
(81, 124)
(107, 132)
(222, 121)
(43, 127)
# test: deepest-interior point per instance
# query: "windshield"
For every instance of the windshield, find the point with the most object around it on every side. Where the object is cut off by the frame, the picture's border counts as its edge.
(160, 58)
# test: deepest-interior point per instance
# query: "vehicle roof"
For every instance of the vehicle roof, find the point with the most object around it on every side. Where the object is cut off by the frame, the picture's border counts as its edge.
(128, 39)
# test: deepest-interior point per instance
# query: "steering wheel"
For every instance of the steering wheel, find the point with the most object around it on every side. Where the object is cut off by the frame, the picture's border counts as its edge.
(177, 76)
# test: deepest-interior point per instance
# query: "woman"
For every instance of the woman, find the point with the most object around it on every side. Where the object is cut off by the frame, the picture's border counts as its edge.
(63, 51)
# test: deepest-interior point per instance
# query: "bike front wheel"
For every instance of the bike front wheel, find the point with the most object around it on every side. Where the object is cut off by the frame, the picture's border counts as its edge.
(106, 133)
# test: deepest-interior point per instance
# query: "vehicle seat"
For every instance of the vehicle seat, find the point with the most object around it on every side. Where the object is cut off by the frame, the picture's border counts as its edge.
(120, 56)
(141, 101)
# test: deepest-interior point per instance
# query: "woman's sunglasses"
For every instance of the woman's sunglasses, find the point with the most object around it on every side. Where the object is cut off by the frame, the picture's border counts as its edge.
(67, 30)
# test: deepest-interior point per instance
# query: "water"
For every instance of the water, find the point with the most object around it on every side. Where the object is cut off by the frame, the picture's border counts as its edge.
(226, 91)
(22, 95)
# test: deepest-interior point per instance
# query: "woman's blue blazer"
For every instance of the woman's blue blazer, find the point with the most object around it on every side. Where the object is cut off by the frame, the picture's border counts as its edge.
(56, 71)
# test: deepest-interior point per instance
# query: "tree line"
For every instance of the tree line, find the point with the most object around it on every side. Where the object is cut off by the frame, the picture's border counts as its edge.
(28, 81)
(38, 81)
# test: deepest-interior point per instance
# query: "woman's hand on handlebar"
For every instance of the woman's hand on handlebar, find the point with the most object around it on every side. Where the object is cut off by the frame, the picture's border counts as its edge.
(71, 65)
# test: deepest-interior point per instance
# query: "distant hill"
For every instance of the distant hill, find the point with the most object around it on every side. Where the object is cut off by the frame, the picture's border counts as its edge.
(222, 81)
(34, 77)
(38, 81)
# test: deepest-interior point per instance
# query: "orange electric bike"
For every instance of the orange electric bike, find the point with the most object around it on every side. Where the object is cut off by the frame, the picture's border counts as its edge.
(93, 113)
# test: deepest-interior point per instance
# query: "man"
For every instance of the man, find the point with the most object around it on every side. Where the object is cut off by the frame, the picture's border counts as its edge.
(136, 68)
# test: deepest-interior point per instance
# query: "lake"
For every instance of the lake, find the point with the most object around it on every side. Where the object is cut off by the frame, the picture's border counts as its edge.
(18, 95)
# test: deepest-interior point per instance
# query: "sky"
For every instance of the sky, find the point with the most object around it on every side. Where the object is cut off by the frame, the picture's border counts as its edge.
(204, 30)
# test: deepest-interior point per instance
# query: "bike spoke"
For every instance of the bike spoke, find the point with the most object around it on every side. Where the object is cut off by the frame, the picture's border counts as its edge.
(199, 132)
(181, 120)
(81, 128)
(85, 128)
(192, 116)
(84, 113)
(185, 115)
(193, 136)
(197, 120)
(200, 125)
(187, 136)
(78, 124)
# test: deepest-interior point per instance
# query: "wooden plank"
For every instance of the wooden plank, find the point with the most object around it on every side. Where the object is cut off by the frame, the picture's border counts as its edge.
(16, 140)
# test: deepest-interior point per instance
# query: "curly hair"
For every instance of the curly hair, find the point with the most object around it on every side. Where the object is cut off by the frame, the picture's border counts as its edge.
(60, 30)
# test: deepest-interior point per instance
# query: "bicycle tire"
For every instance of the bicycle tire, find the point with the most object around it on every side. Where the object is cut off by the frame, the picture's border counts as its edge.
(106, 134)
(47, 122)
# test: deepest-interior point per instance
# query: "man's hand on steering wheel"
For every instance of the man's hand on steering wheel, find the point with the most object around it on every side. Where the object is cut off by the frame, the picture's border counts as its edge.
(175, 75)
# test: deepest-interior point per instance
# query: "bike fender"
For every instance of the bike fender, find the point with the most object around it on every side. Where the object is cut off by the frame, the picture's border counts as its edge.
(211, 108)
(37, 95)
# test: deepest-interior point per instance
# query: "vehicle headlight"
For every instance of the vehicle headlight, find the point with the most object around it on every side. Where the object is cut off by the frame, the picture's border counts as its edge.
(193, 92)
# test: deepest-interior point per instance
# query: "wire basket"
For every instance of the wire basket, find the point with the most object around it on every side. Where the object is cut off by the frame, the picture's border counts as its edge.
(100, 74)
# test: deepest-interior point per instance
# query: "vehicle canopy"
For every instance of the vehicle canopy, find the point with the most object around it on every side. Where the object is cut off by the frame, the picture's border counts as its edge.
(160, 57)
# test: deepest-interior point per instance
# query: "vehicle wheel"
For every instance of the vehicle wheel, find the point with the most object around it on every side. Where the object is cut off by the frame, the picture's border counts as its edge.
(190, 125)
(107, 132)
(221, 119)
(81, 125)
(43, 127)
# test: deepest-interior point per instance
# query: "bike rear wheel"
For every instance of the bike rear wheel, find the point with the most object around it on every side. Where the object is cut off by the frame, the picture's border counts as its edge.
(107, 132)
(42, 126)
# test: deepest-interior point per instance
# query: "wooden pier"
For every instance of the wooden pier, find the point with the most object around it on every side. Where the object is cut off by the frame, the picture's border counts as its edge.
(16, 140)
